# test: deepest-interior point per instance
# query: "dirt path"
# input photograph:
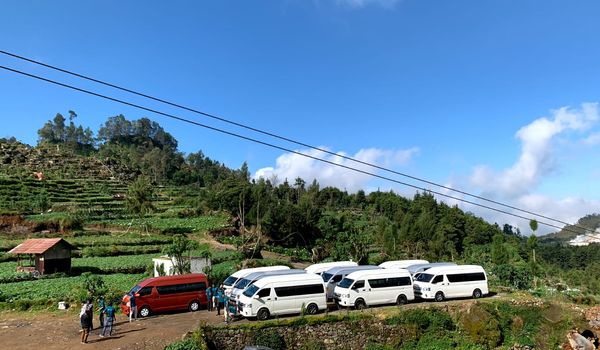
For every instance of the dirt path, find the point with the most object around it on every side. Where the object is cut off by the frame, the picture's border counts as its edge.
(61, 331)
(53, 331)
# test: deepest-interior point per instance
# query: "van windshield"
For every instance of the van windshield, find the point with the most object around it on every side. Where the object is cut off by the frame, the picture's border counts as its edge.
(242, 283)
(134, 289)
(229, 281)
(326, 276)
(249, 292)
(346, 283)
(424, 277)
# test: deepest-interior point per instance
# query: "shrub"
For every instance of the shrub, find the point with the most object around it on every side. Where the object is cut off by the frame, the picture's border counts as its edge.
(271, 339)
(186, 344)
(312, 344)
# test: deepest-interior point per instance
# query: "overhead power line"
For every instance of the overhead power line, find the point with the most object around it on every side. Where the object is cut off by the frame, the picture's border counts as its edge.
(172, 116)
(287, 139)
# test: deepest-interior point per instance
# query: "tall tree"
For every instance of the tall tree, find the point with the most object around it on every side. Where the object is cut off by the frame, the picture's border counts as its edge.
(139, 197)
(180, 251)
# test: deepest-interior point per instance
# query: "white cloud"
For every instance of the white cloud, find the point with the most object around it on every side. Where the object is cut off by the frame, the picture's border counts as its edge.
(290, 166)
(362, 3)
(537, 154)
(592, 139)
(569, 209)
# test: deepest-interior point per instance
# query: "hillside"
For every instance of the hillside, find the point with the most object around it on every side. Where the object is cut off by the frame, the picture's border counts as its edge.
(591, 222)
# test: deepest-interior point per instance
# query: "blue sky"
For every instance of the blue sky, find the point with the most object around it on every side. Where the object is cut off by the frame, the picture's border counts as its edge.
(451, 91)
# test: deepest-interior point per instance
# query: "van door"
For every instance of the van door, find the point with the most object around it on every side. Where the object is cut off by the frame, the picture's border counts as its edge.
(284, 300)
(438, 284)
(378, 291)
(265, 298)
(359, 290)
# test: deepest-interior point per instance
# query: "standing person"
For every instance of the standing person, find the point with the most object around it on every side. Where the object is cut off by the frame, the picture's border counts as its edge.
(101, 308)
(219, 299)
(132, 307)
(209, 298)
(90, 312)
(110, 318)
(86, 321)
(226, 308)
(232, 309)
(215, 298)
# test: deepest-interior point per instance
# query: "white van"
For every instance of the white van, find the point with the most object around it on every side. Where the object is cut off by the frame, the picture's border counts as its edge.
(279, 295)
(245, 281)
(321, 267)
(401, 264)
(444, 282)
(230, 281)
(334, 275)
(374, 287)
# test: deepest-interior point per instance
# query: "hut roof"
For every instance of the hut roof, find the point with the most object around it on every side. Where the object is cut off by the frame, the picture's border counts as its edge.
(37, 245)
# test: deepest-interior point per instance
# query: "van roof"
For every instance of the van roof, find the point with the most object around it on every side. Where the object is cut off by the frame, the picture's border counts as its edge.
(171, 279)
(293, 279)
(245, 272)
(417, 267)
(346, 269)
(403, 262)
(378, 273)
(324, 266)
(261, 274)
(459, 268)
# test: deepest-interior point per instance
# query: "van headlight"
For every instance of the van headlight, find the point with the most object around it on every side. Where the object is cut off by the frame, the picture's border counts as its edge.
(345, 295)
(426, 289)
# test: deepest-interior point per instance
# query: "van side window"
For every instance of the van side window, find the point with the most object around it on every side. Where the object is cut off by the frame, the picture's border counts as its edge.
(145, 291)
(466, 277)
(399, 281)
(359, 284)
(438, 279)
(299, 290)
(264, 292)
(181, 288)
(378, 283)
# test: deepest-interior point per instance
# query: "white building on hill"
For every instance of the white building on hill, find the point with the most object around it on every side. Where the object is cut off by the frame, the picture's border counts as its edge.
(197, 265)
(583, 240)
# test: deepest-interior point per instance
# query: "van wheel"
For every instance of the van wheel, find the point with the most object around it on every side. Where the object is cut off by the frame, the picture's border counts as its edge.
(194, 305)
(360, 304)
(144, 311)
(262, 314)
(476, 294)
(312, 309)
(401, 300)
(439, 296)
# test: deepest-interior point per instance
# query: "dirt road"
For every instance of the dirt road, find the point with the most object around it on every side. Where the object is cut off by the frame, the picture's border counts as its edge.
(19, 331)
(53, 331)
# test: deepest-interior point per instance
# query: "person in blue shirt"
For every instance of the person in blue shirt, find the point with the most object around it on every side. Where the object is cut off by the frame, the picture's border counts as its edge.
(110, 318)
(209, 298)
(215, 298)
(220, 300)
(101, 308)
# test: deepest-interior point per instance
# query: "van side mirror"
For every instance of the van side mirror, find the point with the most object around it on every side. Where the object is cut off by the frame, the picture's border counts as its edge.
(137, 295)
(255, 296)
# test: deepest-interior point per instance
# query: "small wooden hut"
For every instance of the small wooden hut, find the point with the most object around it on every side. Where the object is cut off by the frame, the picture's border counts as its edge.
(43, 255)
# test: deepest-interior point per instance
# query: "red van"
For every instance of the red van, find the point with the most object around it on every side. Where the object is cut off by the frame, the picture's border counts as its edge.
(168, 293)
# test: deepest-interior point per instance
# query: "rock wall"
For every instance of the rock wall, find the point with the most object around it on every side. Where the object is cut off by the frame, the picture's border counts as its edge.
(348, 335)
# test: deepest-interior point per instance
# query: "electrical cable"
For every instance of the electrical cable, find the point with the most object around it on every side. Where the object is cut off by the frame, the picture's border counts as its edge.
(276, 146)
(285, 138)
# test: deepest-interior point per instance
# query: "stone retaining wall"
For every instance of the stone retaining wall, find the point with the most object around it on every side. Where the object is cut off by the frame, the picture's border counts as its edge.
(348, 335)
